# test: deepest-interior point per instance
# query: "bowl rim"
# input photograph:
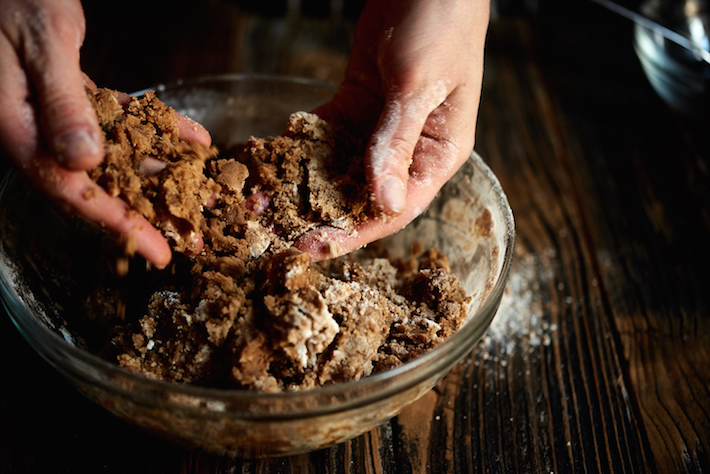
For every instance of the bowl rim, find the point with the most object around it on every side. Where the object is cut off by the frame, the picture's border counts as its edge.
(327, 395)
(238, 76)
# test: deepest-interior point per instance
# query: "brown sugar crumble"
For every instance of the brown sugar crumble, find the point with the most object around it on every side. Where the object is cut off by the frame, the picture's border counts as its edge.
(243, 308)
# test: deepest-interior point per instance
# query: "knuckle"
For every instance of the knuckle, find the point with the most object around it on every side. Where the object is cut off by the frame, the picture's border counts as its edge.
(58, 107)
(41, 25)
(402, 151)
(69, 28)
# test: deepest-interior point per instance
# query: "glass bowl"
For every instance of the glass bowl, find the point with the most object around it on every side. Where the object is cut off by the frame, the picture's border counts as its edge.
(679, 72)
(470, 221)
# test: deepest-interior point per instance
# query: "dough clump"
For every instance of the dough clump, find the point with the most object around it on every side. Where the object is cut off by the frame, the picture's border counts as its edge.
(242, 307)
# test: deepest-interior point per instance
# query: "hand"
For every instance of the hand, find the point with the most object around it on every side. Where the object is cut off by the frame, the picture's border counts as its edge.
(413, 85)
(48, 127)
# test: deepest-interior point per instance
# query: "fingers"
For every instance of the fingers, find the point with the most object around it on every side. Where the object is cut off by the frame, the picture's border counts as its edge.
(328, 242)
(191, 131)
(88, 82)
(84, 197)
(427, 54)
(78, 194)
(48, 126)
(52, 38)
(20, 138)
(391, 148)
(324, 243)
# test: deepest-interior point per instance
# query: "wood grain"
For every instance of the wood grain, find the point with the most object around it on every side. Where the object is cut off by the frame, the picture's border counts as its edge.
(648, 232)
(576, 385)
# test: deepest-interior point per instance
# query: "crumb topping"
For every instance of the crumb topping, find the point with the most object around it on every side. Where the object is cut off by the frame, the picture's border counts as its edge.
(247, 309)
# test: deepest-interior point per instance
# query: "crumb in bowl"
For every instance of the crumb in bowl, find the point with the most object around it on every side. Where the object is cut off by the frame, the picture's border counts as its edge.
(53, 283)
(242, 308)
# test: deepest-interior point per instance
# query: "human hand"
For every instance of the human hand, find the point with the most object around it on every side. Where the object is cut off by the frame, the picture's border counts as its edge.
(413, 85)
(48, 127)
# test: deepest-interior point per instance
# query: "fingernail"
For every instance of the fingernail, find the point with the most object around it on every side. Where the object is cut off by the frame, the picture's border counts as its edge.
(75, 146)
(393, 195)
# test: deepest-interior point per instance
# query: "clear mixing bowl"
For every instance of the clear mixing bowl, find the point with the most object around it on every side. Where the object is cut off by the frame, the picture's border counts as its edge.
(678, 72)
(470, 221)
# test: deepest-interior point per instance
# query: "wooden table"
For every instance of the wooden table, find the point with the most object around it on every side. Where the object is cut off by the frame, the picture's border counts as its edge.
(599, 359)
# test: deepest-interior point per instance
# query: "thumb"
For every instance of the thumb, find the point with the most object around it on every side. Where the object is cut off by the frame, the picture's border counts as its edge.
(390, 152)
(69, 124)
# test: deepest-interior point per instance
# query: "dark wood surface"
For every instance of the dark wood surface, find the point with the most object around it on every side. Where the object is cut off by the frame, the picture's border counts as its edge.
(598, 360)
